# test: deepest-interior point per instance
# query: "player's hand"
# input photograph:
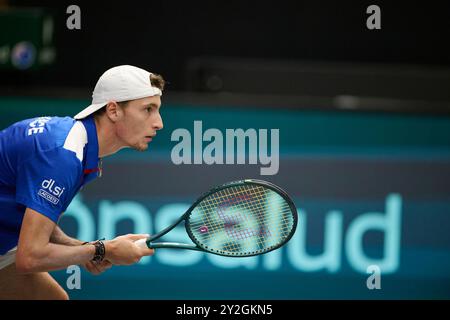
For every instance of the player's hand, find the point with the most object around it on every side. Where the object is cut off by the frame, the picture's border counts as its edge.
(97, 268)
(123, 251)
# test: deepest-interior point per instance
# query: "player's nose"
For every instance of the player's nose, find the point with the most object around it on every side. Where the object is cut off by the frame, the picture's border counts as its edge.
(158, 124)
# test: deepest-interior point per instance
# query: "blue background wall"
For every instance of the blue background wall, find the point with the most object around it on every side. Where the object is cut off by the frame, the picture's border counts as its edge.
(370, 189)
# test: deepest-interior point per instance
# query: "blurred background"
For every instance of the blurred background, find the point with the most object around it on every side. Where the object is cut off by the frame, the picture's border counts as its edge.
(364, 120)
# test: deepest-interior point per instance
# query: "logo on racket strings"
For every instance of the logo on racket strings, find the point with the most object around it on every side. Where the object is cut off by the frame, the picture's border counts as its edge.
(232, 223)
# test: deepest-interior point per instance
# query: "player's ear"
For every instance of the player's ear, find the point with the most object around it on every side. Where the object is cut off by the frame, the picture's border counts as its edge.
(113, 111)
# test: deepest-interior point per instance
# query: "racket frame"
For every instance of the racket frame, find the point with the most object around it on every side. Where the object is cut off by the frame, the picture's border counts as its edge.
(197, 246)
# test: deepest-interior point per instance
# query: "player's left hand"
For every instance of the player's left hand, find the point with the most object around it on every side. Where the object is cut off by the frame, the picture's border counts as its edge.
(97, 268)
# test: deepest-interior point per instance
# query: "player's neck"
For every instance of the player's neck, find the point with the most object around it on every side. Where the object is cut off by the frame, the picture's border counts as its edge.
(108, 143)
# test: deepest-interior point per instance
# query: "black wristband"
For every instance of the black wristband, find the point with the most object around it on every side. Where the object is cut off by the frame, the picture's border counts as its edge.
(99, 251)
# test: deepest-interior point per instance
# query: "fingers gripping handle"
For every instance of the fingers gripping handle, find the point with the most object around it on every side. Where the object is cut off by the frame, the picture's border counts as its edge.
(141, 243)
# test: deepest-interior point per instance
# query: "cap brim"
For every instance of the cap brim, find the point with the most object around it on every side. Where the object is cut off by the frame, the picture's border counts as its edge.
(89, 110)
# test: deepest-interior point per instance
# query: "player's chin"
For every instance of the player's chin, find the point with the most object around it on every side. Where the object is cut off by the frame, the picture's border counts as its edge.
(143, 146)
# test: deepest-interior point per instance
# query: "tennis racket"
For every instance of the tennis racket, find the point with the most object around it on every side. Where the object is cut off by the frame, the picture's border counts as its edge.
(237, 219)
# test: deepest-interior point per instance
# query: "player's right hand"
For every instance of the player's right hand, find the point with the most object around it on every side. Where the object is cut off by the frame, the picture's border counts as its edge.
(123, 251)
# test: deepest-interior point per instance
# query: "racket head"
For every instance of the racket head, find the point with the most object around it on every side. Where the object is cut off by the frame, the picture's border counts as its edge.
(242, 218)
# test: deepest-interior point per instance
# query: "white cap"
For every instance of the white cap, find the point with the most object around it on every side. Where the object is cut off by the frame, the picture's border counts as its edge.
(120, 83)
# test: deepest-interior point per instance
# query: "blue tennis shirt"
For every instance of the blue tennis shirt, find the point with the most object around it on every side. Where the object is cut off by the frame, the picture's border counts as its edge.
(43, 164)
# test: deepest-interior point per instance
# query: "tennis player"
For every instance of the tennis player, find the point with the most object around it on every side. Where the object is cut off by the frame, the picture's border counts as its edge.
(45, 161)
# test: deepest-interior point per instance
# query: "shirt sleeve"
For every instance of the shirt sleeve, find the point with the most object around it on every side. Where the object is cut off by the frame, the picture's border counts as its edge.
(47, 181)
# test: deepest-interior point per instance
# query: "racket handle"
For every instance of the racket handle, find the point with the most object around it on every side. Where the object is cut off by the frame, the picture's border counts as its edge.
(141, 243)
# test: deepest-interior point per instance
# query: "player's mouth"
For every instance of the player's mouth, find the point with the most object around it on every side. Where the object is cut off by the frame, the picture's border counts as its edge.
(149, 138)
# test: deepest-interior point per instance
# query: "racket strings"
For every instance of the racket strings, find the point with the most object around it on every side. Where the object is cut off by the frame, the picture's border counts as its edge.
(258, 206)
(211, 207)
(264, 232)
(260, 243)
(259, 229)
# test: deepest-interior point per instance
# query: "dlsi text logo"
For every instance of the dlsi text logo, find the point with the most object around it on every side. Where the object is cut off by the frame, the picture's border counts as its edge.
(338, 243)
(54, 192)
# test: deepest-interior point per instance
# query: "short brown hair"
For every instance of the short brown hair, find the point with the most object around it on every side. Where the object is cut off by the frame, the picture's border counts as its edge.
(155, 79)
